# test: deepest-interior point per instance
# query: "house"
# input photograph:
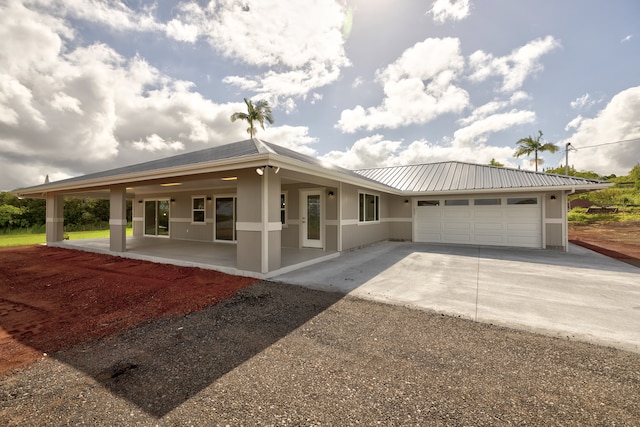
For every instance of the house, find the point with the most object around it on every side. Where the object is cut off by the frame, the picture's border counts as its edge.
(262, 198)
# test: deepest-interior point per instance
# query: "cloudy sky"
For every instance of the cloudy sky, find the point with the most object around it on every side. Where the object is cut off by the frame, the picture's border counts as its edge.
(89, 85)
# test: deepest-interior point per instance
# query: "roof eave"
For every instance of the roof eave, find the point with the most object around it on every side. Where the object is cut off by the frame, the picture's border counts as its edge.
(567, 188)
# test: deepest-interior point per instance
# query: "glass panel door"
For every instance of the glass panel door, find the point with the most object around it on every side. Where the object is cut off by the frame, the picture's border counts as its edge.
(163, 217)
(156, 217)
(150, 225)
(226, 218)
(312, 219)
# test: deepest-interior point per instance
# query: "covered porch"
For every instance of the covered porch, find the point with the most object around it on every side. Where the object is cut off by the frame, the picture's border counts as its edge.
(209, 255)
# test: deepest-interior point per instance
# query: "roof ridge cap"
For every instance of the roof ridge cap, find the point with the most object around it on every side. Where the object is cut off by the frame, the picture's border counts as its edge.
(262, 147)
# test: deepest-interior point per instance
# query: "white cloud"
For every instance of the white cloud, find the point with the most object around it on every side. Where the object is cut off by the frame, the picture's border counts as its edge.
(114, 14)
(584, 101)
(574, 123)
(626, 38)
(449, 10)
(84, 109)
(299, 51)
(156, 143)
(296, 138)
(376, 151)
(479, 130)
(514, 68)
(493, 107)
(619, 120)
(418, 87)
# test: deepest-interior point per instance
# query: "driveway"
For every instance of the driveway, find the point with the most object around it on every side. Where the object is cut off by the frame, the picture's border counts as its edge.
(579, 295)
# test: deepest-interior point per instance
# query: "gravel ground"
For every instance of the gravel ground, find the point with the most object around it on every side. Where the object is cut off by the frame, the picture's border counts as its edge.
(284, 355)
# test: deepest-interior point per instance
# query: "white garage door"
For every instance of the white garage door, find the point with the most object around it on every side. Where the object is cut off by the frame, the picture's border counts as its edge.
(500, 221)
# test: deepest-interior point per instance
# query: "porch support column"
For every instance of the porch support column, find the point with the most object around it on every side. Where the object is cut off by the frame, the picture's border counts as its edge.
(258, 224)
(117, 219)
(55, 218)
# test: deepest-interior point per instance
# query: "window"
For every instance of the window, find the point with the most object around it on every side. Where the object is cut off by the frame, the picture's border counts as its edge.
(428, 202)
(522, 201)
(198, 205)
(369, 207)
(456, 202)
(283, 208)
(487, 202)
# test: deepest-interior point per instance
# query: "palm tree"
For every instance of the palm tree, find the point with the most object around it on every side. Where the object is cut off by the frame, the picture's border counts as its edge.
(529, 145)
(255, 113)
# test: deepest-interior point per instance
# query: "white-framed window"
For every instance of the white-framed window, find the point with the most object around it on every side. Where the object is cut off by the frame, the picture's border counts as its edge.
(487, 202)
(522, 201)
(368, 207)
(283, 208)
(198, 209)
(456, 202)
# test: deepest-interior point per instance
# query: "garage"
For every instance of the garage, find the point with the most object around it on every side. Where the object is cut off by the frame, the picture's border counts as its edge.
(487, 220)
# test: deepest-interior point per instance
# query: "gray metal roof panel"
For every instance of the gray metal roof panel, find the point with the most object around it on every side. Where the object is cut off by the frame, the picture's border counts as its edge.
(458, 176)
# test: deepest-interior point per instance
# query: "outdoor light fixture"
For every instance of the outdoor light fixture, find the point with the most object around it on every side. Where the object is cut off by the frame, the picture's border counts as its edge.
(331, 194)
(139, 201)
(261, 169)
(209, 198)
(406, 201)
(173, 200)
(553, 197)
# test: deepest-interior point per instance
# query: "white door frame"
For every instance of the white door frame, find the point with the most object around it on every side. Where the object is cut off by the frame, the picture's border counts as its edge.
(305, 242)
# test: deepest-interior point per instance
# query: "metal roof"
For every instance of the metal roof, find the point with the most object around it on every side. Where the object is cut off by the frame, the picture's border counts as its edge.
(433, 177)
(235, 150)
(458, 176)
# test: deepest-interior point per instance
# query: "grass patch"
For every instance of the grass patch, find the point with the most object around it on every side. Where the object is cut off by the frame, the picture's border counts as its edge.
(39, 238)
(580, 215)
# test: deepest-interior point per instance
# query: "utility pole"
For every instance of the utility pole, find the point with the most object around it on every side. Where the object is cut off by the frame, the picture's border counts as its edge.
(566, 153)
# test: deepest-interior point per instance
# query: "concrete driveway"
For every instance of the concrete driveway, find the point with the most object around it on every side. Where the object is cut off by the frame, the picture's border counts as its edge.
(579, 295)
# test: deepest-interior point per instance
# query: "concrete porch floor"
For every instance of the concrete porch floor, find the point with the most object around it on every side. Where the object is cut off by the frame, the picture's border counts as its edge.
(209, 255)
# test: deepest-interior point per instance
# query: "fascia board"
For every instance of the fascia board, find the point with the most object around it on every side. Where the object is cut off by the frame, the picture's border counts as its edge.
(568, 188)
(125, 179)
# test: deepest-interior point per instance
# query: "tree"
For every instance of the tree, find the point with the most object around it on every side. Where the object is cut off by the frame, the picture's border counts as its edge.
(494, 162)
(255, 113)
(529, 145)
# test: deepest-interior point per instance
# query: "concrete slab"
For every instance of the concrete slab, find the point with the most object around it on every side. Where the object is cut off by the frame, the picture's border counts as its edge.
(579, 295)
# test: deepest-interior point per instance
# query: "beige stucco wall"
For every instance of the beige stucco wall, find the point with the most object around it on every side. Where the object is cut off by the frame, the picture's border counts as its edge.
(55, 218)
(555, 220)
(355, 234)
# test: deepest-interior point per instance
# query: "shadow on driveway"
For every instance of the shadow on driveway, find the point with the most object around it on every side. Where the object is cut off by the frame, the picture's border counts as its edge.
(160, 365)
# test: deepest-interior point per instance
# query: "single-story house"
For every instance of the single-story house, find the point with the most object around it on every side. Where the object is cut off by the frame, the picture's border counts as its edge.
(262, 198)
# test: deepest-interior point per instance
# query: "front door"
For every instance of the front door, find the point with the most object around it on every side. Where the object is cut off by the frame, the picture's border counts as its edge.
(311, 220)
(156, 217)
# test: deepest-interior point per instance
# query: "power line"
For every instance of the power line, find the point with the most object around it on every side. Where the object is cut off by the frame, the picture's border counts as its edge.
(606, 143)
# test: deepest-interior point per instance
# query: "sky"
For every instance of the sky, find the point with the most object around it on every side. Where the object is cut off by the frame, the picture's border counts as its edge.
(90, 85)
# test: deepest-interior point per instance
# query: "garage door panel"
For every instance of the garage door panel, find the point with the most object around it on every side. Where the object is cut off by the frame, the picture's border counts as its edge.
(503, 225)
(457, 214)
(488, 227)
(457, 238)
(457, 227)
(489, 239)
(484, 213)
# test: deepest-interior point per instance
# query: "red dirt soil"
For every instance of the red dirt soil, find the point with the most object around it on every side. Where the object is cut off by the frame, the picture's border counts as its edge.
(53, 298)
(619, 240)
